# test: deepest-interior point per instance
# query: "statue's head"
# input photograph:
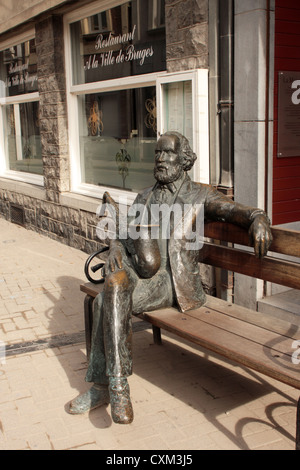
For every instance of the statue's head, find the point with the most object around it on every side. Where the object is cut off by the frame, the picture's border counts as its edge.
(173, 156)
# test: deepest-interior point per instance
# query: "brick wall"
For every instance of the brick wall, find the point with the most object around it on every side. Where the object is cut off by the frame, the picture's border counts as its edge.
(286, 170)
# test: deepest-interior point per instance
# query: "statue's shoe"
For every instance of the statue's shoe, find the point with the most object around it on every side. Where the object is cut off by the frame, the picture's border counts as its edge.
(121, 407)
(96, 396)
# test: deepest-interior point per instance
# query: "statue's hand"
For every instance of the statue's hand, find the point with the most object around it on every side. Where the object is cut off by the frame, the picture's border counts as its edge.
(260, 235)
(115, 257)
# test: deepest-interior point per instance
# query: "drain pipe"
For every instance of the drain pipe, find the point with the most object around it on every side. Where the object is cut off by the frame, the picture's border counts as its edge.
(267, 286)
(267, 111)
(226, 20)
(224, 279)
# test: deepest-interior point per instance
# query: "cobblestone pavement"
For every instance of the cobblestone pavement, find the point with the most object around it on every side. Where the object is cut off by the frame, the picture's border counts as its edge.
(184, 398)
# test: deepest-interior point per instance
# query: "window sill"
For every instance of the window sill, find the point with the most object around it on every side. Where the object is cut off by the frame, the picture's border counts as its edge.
(93, 202)
(81, 202)
(21, 187)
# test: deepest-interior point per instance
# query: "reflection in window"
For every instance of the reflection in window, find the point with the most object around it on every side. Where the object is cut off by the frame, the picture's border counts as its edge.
(23, 143)
(156, 14)
(118, 138)
(178, 108)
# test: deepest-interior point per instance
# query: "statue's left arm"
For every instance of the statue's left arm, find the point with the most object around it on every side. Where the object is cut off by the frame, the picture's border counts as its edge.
(221, 208)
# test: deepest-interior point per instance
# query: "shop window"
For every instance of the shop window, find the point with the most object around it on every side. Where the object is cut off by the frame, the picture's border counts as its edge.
(156, 11)
(18, 69)
(19, 113)
(178, 108)
(118, 137)
(23, 143)
(120, 98)
(118, 43)
(182, 105)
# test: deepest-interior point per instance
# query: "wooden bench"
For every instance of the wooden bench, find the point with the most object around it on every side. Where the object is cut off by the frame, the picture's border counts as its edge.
(256, 340)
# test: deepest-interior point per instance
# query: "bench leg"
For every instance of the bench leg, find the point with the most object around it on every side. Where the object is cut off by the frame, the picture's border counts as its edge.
(298, 426)
(88, 322)
(156, 335)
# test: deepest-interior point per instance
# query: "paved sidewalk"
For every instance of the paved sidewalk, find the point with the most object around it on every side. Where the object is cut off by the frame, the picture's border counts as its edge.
(184, 398)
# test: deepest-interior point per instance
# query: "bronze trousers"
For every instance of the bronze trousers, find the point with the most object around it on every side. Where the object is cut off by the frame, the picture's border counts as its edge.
(124, 294)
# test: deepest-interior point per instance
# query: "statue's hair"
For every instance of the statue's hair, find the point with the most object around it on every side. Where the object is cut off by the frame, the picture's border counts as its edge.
(188, 157)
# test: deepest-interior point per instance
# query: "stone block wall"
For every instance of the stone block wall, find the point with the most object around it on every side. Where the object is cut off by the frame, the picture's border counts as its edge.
(53, 105)
(186, 34)
(71, 226)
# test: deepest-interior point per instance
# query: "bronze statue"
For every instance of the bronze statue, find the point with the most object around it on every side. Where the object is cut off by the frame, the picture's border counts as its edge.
(147, 273)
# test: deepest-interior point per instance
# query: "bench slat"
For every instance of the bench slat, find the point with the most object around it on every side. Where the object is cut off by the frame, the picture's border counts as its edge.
(256, 334)
(256, 356)
(91, 289)
(286, 242)
(269, 269)
(276, 325)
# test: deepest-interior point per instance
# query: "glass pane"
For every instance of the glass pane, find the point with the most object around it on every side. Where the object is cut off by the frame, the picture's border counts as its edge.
(118, 138)
(18, 69)
(10, 134)
(178, 108)
(123, 41)
(23, 146)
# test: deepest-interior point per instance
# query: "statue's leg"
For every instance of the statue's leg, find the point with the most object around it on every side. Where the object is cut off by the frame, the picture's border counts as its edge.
(96, 371)
(110, 361)
(154, 293)
(117, 325)
(98, 394)
(111, 352)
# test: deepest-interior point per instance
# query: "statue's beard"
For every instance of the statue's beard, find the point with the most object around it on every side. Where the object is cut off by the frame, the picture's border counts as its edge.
(165, 175)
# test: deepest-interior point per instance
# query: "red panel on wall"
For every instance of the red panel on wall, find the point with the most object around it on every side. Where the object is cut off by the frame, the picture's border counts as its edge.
(286, 171)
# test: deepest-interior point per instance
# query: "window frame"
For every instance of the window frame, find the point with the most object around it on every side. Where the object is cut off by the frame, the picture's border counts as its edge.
(16, 100)
(200, 116)
(199, 80)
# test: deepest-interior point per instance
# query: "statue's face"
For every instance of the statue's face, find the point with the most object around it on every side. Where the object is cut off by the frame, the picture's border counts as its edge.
(168, 166)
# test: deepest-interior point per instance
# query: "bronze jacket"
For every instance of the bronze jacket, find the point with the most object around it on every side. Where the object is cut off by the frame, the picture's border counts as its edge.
(184, 262)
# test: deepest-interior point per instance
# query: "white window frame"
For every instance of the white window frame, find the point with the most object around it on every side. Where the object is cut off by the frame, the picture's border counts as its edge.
(5, 171)
(199, 80)
(200, 116)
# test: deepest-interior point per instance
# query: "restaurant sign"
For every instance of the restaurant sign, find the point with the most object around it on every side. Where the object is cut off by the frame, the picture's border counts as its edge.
(19, 69)
(116, 43)
(110, 57)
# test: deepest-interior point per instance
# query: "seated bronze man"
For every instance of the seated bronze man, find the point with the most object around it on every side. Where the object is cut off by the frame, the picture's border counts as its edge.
(146, 275)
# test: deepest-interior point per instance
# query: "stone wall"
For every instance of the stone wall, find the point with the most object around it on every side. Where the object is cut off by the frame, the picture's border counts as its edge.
(53, 106)
(16, 12)
(186, 34)
(72, 226)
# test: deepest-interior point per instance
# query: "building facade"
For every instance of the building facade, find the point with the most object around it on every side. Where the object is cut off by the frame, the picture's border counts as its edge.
(86, 87)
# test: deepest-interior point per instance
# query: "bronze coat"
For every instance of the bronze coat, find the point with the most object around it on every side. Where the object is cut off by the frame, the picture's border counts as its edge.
(184, 262)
